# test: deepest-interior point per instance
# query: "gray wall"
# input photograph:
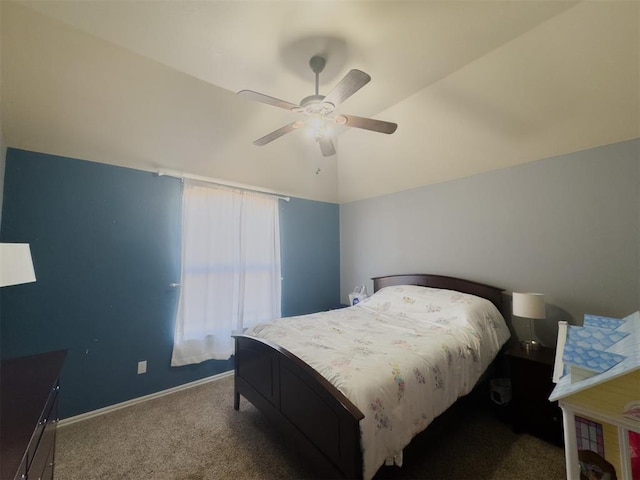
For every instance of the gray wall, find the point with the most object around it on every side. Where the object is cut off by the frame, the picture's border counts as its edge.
(568, 227)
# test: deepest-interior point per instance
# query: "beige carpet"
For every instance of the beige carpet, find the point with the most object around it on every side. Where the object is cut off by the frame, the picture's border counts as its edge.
(196, 435)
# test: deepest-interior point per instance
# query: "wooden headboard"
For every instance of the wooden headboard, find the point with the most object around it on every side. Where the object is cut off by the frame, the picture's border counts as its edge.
(493, 294)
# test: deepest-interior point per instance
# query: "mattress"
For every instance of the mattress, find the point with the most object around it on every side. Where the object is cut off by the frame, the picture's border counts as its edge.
(402, 356)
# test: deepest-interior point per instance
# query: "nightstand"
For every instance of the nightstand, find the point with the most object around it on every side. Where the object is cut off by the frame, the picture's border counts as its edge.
(531, 384)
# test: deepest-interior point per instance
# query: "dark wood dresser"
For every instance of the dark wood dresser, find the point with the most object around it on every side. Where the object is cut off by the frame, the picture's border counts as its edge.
(28, 415)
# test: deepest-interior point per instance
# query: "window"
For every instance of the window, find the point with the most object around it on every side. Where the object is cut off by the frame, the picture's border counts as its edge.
(589, 435)
(230, 269)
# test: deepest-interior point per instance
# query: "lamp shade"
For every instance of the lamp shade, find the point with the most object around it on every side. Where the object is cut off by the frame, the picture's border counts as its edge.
(529, 305)
(16, 266)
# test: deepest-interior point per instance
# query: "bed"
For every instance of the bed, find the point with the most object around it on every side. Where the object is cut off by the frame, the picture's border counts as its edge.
(349, 414)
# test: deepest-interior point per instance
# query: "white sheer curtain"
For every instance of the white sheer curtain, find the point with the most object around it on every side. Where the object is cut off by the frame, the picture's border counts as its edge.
(230, 269)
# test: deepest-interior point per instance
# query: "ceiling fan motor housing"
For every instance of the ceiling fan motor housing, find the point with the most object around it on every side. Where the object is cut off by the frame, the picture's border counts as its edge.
(314, 105)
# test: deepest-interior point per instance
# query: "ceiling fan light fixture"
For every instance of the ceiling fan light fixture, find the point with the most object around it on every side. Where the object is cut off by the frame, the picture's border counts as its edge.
(317, 127)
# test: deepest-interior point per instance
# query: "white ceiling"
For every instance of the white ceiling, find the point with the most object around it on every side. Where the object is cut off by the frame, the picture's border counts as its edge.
(473, 85)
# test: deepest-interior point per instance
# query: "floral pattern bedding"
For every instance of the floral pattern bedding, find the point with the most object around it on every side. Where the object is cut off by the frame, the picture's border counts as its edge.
(402, 356)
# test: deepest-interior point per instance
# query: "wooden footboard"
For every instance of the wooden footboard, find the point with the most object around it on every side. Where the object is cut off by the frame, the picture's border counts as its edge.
(317, 416)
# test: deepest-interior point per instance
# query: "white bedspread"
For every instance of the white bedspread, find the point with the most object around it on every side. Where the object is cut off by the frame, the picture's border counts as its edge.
(402, 356)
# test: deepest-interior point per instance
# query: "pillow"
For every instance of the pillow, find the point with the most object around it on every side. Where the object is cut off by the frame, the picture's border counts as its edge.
(416, 299)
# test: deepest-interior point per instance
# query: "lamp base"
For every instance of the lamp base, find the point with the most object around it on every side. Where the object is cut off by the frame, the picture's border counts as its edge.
(529, 345)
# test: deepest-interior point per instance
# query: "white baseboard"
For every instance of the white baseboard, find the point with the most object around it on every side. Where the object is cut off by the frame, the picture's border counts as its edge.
(112, 408)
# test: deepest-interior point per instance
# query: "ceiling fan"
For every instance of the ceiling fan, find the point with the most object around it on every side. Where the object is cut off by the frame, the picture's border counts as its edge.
(318, 109)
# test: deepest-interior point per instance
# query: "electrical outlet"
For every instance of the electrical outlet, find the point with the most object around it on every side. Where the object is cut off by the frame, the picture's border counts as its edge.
(142, 367)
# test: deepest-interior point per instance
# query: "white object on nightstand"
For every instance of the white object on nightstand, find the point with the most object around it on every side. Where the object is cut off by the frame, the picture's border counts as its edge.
(531, 306)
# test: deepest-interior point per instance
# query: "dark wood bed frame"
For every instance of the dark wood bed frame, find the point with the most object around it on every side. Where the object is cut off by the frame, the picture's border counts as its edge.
(323, 423)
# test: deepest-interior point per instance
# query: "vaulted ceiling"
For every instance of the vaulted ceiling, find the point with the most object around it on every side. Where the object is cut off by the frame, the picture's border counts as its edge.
(473, 85)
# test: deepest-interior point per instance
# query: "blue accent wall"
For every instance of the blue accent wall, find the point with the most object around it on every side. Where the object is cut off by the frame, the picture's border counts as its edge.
(310, 246)
(105, 243)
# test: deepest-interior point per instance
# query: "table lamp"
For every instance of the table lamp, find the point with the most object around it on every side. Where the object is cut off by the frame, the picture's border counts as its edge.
(531, 306)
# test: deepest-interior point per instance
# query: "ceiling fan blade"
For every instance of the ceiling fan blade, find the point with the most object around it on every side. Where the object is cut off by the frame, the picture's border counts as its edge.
(350, 84)
(270, 137)
(367, 123)
(259, 97)
(326, 145)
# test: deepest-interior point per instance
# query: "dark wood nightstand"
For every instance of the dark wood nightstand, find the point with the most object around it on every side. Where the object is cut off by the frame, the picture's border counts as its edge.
(531, 384)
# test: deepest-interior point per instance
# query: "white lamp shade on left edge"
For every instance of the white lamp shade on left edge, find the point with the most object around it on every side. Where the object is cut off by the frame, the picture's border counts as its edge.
(16, 266)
